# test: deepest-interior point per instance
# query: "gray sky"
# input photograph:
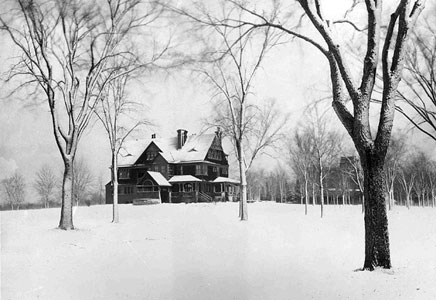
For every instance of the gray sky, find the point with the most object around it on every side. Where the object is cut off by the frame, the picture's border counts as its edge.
(291, 74)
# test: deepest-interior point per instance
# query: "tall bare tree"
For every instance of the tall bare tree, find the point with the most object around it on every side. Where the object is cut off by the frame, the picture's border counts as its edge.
(325, 144)
(114, 106)
(14, 190)
(346, 89)
(233, 58)
(67, 50)
(45, 184)
(300, 156)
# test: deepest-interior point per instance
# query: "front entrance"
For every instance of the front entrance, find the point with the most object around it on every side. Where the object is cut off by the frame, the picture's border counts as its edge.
(165, 195)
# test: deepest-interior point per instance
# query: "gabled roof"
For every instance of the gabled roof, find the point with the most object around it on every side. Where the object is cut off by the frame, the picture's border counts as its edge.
(158, 177)
(225, 180)
(184, 178)
(194, 149)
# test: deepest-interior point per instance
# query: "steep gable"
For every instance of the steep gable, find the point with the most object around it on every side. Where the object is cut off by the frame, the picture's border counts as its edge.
(196, 148)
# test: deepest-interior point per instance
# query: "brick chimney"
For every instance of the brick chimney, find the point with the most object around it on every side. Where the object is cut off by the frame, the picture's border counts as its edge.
(219, 133)
(182, 136)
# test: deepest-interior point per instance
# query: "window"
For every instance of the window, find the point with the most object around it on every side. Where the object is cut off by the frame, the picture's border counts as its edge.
(147, 186)
(224, 171)
(200, 170)
(151, 155)
(124, 173)
(187, 187)
(163, 169)
(214, 169)
(125, 190)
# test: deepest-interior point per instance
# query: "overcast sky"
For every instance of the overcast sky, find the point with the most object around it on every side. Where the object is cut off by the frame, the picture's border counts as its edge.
(291, 74)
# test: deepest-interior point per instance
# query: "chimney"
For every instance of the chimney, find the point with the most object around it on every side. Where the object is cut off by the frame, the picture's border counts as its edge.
(185, 137)
(219, 133)
(153, 136)
(182, 136)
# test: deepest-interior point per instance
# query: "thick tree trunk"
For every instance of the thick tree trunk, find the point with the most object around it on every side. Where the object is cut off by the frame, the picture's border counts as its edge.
(115, 212)
(377, 253)
(66, 222)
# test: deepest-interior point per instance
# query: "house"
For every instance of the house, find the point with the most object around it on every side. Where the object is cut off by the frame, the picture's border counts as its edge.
(178, 169)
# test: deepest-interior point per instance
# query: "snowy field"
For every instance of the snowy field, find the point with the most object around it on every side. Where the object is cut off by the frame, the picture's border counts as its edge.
(202, 251)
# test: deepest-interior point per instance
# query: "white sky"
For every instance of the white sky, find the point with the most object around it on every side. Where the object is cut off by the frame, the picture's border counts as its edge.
(291, 74)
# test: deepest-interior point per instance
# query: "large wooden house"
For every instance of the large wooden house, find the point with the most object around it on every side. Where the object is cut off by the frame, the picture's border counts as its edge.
(178, 169)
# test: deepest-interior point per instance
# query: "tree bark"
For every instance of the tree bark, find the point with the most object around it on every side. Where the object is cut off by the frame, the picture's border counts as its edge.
(306, 195)
(66, 222)
(115, 211)
(321, 187)
(377, 252)
(243, 208)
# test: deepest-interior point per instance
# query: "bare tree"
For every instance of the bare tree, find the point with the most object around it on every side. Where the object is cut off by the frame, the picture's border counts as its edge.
(68, 51)
(419, 89)
(407, 174)
(14, 190)
(281, 176)
(114, 106)
(396, 151)
(83, 180)
(355, 173)
(432, 182)
(45, 184)
(300, 156)
(372, 149)
(232, 64)
(325, 148)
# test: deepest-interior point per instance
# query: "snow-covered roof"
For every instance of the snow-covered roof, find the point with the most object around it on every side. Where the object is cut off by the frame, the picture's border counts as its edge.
(158, 177)
(194, 149)
(131, 151)
(184, 178)
(225, 180)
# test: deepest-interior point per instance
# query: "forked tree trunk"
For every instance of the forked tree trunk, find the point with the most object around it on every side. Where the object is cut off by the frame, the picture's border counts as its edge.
(66, 222)
(377, 252)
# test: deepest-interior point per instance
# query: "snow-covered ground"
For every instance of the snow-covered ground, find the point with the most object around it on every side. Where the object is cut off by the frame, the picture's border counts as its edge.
(202, 251)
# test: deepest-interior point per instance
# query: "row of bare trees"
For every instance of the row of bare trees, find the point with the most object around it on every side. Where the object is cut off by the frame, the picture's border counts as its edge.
(410, 176)
(47, 187)
(71, 52)
(273, 185)
(385, 46)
